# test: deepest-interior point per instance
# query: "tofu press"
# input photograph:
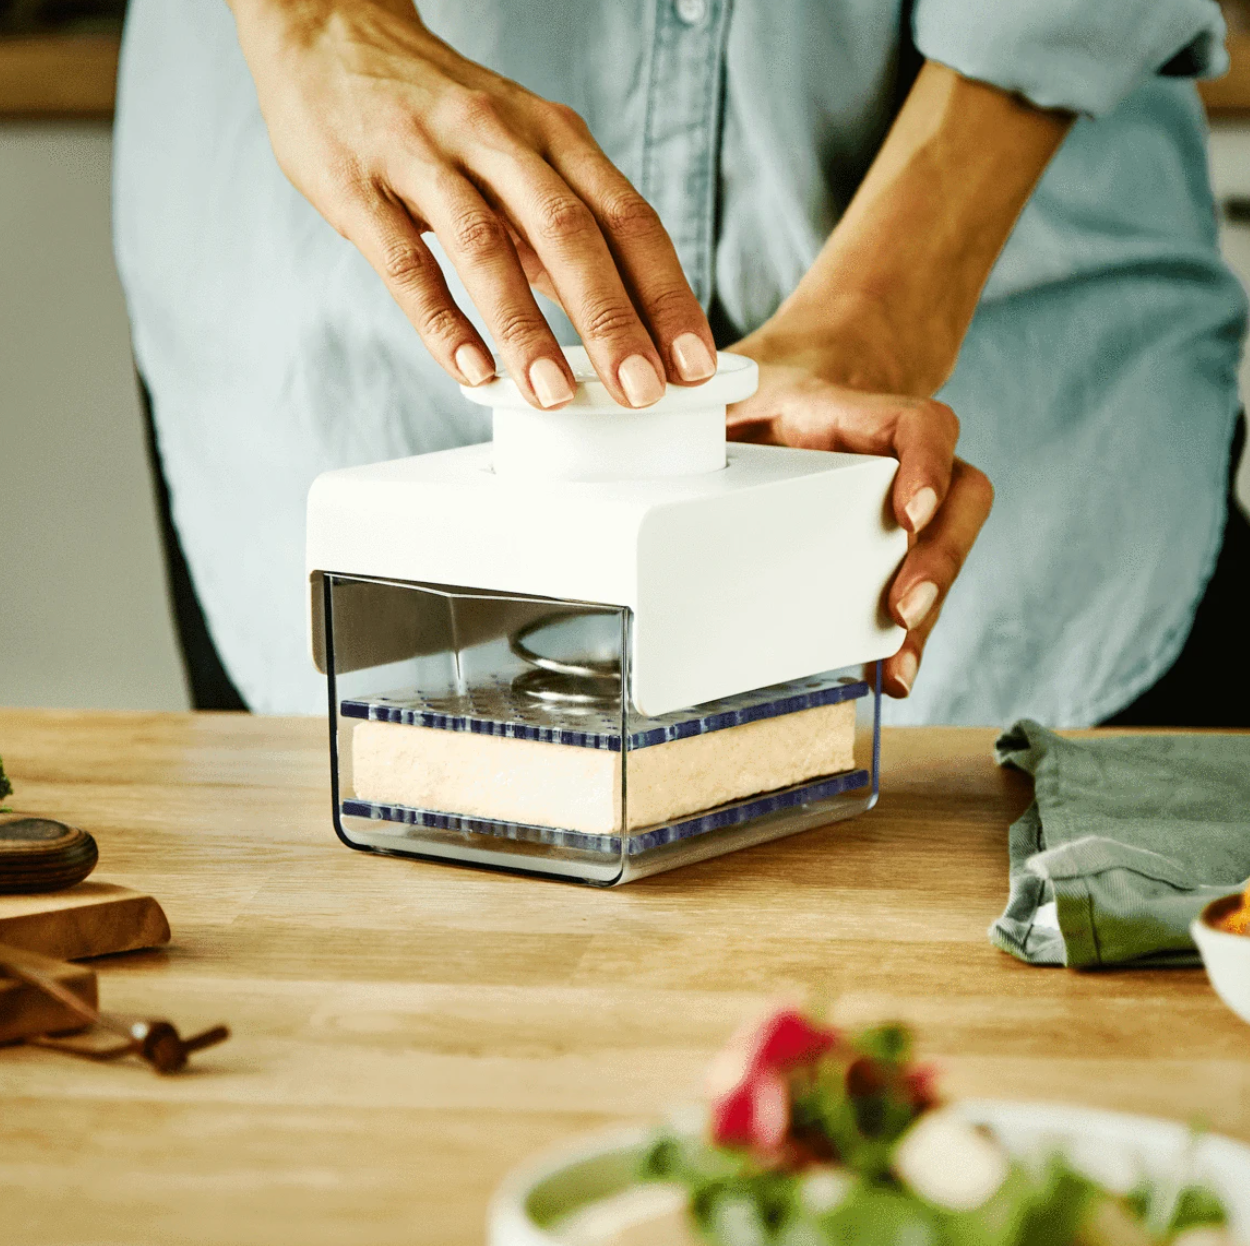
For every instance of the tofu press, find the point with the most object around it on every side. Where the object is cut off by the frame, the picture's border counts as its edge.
(605, 643)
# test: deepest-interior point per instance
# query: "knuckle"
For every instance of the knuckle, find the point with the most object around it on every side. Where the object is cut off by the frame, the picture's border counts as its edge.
(516, 329)
(405, 265)
(478, 234)
(943, 416)
(344, 194)
(563, 218)
(674, 303)
(562, 117)
(949, 562)
(976, 485)
(607, 320)
(440, 323)
(476, 112)
(982, 488)
(628, 216)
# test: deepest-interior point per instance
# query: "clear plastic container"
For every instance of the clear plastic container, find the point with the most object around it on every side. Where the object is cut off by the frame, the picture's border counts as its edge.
(496, 730)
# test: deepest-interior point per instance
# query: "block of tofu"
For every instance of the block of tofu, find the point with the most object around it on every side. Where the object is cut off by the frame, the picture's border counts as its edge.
(577, 787)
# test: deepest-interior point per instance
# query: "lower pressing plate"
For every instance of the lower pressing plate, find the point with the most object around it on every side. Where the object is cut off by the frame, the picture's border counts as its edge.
(610, 845)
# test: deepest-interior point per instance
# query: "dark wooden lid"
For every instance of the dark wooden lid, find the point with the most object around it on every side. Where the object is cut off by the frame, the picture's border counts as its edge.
(37, 854)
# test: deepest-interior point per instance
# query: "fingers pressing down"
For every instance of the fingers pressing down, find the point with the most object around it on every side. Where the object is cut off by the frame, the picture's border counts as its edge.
(934, 560)
(391, 241)
(640, 251)
(924, 440)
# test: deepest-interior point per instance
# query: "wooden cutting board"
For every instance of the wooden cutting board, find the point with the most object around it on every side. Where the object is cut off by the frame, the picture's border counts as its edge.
(89, 919)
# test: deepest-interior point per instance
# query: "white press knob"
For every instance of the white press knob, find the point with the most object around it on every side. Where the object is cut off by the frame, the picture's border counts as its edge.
(593, 438)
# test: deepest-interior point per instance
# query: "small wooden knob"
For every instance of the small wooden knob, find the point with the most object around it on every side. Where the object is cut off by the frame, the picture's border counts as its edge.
(37, 854)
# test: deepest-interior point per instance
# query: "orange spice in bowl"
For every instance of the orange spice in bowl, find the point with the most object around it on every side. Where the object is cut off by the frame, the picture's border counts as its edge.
(1222, 935)
(1237, 919)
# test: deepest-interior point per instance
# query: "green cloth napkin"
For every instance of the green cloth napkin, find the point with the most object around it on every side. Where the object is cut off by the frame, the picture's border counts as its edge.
(1129, 836)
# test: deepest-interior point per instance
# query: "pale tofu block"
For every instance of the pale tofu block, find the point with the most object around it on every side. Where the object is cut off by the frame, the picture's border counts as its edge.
(668, 781)
(488, 776)
(579, 789)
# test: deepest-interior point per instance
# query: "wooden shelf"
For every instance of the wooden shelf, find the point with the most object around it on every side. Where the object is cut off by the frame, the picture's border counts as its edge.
(58, 76)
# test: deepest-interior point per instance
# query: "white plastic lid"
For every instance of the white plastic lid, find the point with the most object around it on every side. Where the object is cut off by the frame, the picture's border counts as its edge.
(594, 438)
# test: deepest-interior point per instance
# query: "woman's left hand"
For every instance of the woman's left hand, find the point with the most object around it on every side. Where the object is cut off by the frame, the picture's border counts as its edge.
(941, 500)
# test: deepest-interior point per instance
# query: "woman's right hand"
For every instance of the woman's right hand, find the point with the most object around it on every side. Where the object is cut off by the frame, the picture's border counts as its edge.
(390, 134)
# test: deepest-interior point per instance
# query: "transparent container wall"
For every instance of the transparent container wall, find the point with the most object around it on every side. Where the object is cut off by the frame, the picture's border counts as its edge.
(496, 730)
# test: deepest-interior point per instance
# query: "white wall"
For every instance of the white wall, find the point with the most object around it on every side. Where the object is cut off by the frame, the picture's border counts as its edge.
(83, 614)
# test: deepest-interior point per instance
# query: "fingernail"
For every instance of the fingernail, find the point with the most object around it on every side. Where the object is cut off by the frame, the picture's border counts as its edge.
(917, 603)
(640, 381)
(550, 384)
(920, 509)
(905, 670)
(474, 365)
(694, 361)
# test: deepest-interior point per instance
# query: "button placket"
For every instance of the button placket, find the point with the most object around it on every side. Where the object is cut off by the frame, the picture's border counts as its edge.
(681, 146)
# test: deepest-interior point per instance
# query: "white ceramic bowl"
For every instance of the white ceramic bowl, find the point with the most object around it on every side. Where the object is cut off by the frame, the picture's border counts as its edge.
(1226, 956)
(1111, 1147)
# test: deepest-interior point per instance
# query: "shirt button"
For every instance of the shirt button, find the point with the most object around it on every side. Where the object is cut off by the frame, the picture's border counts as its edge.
(692, 12)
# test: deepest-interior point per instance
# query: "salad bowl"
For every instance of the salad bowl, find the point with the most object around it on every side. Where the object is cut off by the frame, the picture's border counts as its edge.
(539, 1203)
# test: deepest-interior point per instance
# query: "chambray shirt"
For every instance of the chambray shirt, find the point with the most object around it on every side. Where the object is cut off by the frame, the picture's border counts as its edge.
(1096, 386)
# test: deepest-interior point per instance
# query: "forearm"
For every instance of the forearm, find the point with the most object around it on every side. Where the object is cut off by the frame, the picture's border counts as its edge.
(892, 293)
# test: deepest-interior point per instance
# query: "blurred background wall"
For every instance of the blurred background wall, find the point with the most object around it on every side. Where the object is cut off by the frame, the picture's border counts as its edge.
(84, 617)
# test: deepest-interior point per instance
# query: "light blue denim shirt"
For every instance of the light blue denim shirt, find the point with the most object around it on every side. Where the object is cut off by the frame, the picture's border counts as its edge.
(1097, 385)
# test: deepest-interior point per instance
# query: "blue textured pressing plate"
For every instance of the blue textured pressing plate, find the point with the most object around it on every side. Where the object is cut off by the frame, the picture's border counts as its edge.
(494, 708)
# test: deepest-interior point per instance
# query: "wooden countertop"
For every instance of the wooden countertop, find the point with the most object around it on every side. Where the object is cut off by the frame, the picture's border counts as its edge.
(75, 77)
(405, 1033)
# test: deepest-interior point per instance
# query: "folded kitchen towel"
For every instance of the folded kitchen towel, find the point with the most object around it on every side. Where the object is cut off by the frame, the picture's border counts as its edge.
(1127, 839)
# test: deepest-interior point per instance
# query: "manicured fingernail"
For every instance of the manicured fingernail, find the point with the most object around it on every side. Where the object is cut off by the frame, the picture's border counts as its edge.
(474, 365)
(550, 384)
(694, 360)
(642, 384)
(905, 670)
(917, 603)
(921, 507)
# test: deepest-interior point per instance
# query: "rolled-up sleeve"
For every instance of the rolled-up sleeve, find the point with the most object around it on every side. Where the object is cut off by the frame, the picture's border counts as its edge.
(1082, 55)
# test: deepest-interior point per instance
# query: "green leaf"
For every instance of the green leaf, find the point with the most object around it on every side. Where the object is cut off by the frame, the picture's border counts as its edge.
(1005, 1220)
(1140, 1199)
(1062, 1201)
(875, 1216)
(890, 1044)
(6, 788)
(802, 1232)
(1197, 1205)
(693, 1162)
(771, 1196)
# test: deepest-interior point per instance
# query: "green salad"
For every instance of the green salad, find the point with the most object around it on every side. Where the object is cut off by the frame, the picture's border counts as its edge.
(817, 1137)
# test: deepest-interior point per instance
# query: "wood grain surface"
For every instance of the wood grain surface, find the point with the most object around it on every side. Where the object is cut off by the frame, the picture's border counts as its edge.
(405, 1033)
(92, 918)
